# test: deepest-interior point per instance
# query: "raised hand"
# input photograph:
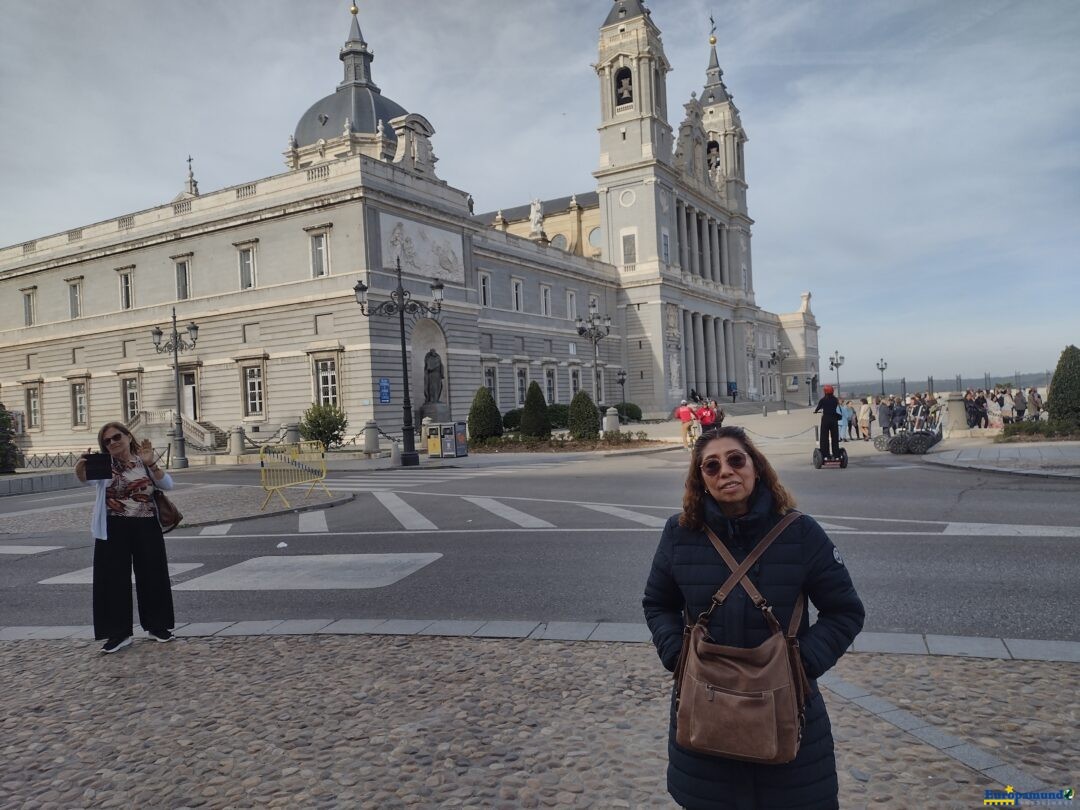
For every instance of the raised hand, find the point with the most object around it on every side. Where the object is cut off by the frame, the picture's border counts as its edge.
(146, 451)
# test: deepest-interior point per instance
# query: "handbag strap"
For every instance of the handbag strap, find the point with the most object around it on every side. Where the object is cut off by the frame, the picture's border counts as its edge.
(740, 570)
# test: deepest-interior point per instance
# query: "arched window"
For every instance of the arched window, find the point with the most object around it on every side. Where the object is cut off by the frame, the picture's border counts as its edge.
(712, 151)
(558, 241)
(624, 86)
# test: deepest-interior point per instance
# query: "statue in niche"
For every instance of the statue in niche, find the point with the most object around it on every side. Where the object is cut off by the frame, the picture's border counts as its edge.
(536, 218)
(433, 376)
(676, 376)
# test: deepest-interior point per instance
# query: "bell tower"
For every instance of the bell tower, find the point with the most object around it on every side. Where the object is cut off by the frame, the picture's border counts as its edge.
(632, 70)
(726, 137)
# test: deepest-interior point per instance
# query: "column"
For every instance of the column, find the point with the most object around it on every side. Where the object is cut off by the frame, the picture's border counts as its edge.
(680, 231)
(729, 347)
(725, 257)
(688, 351)
(721, 356)
(691, 223)
(699, 354)
(708, 322)
(714, 241)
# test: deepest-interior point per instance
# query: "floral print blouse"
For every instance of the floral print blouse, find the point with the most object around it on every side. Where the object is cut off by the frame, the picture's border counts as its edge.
(131, 493)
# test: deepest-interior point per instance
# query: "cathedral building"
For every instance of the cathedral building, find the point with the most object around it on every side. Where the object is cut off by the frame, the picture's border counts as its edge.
(659, 251)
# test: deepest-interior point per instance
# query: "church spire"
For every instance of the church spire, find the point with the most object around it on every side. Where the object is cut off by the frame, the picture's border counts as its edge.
(357, 57)
(715, 92)
(192, 183)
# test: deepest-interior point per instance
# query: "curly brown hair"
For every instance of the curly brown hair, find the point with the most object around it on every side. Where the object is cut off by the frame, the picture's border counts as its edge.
(693, 513)
(133, 445)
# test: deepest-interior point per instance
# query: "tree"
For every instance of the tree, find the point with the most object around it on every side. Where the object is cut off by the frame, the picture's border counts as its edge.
(324, 423)
(1063, 400)
(485, 421)
(8, 451)
(584, 418)
(534, 416)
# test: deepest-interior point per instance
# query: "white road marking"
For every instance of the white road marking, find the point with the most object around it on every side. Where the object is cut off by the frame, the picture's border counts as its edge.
(833, 527)
(515, 516)
(27, 549)
(1007, 530)
(626, 514)
(403, 513)
(215, 531)
(314, 522)
(85, 576)
(41, 510)
(311, 572)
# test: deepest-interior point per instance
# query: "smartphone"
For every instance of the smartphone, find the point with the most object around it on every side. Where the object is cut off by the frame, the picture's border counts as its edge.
(98, 466)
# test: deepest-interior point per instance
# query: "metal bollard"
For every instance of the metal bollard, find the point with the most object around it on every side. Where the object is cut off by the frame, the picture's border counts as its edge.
(371, 437)
(611, 421)
(395, 454)
(764, 410)
(236, 441)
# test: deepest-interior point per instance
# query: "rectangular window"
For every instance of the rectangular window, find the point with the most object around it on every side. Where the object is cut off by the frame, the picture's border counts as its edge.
(575, 381)
(485, 289)
(319, 265)
(127, 290)
(594, 303)
(665, 247)
(549, 384)
(629, 248)
(326, 382)
(33, 407)
(522, 384)
(247, 267)
(571, 305)
(517, 302)
(491, 382)
(78, 403)
(572, 350)
(29, 300)
(253, 390)
(183, 280)
(545, 300)
(129, 389)
(75, 299)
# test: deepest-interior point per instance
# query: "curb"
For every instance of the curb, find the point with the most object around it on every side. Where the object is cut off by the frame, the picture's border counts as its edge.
(291, 510)
(956, 465)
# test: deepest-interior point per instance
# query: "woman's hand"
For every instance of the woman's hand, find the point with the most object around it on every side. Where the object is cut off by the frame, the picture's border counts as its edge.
(146, 452)
(80, 465)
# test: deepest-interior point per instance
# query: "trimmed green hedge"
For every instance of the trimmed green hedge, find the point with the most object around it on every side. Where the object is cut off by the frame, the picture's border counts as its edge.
(534, 416)
(512, 420)
(485, 422)
(1063, 399)
(559, 416)
(584, 419)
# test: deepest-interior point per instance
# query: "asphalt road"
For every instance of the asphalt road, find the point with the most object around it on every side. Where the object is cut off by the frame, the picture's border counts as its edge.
(931, 550)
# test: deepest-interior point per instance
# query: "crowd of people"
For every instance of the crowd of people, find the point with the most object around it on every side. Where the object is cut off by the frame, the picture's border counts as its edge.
(1002, 406)
(699, 416)
(857, 417)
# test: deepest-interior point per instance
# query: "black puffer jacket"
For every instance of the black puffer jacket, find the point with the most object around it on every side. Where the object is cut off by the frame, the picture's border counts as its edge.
(686, 572)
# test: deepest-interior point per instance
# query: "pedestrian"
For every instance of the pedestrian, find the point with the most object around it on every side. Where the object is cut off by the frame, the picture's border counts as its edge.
(884, 415)
(720, 415)
(865, 417)
(829, 432)
(127, 536)
(733, 490)
(852, 418)
(706, 415)
(982, 410)
(1019, 404)
(685, 415)
(844, 426)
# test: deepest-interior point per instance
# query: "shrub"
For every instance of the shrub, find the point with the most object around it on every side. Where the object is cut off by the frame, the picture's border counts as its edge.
(512, 419)
(485, 422)
(559, 416)
(628, 412)
(584, 419)
(8, 451)
(534, 416)
(324, 423)
(1063, 399)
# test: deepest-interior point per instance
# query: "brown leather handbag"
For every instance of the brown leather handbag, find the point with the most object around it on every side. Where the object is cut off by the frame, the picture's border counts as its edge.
(746, 704)
(168, 515)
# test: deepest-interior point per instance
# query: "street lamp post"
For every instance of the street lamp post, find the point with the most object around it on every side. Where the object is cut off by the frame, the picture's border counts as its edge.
(176, 344)
(809, 391)
(835, 362)
(881, 366)
(777, 359)
(401, 302)
(595, 329)
(620, 378)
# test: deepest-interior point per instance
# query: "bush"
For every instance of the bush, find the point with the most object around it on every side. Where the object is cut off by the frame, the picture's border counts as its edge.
(324, 423)
(584, 419)
(512, 420)
(1063, 399)
(628, 412)
(559, 416)
(484, 422)
(8, 451)
(534, 416)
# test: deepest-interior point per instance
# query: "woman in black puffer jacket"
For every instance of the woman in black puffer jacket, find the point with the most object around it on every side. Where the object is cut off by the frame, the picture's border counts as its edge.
(739, 496)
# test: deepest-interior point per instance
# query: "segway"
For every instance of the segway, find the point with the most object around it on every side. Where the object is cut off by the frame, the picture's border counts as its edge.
(821, 460)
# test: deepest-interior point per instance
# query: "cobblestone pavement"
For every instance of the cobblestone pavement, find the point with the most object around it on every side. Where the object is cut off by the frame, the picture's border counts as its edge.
(391, 721)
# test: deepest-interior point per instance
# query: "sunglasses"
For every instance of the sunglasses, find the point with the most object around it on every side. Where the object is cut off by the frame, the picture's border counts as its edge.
(116, 437)
(735, 460)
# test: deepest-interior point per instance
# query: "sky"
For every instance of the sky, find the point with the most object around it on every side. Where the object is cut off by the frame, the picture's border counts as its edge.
(915, 164)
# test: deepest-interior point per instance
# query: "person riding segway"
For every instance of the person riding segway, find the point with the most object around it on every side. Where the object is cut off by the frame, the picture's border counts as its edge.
(828, 450)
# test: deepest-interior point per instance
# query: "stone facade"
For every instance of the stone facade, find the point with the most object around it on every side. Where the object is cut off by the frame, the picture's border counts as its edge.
(266, 270)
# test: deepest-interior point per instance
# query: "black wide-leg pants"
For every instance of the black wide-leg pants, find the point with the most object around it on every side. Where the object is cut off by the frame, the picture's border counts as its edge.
(133, 543)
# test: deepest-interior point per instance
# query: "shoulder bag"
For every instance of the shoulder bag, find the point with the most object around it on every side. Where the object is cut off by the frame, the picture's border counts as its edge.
(746, 704)
(168, 516)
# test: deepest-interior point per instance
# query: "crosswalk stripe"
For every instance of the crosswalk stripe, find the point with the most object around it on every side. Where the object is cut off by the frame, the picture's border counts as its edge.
(515, 516)
(408, 517)
(626, 514)
(216, 531)
(313, 522)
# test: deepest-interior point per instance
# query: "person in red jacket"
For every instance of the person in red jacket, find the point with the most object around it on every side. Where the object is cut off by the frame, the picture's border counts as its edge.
(685, 415)
(706, 414)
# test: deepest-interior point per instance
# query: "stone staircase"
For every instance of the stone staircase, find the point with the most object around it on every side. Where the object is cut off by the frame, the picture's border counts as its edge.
(219, 437)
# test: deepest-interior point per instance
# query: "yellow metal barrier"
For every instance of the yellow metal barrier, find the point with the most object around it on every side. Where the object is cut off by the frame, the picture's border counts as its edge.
(291, 465)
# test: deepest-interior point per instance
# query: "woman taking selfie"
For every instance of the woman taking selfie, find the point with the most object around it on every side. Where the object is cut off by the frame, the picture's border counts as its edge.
(733, 501)
(127, 534)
